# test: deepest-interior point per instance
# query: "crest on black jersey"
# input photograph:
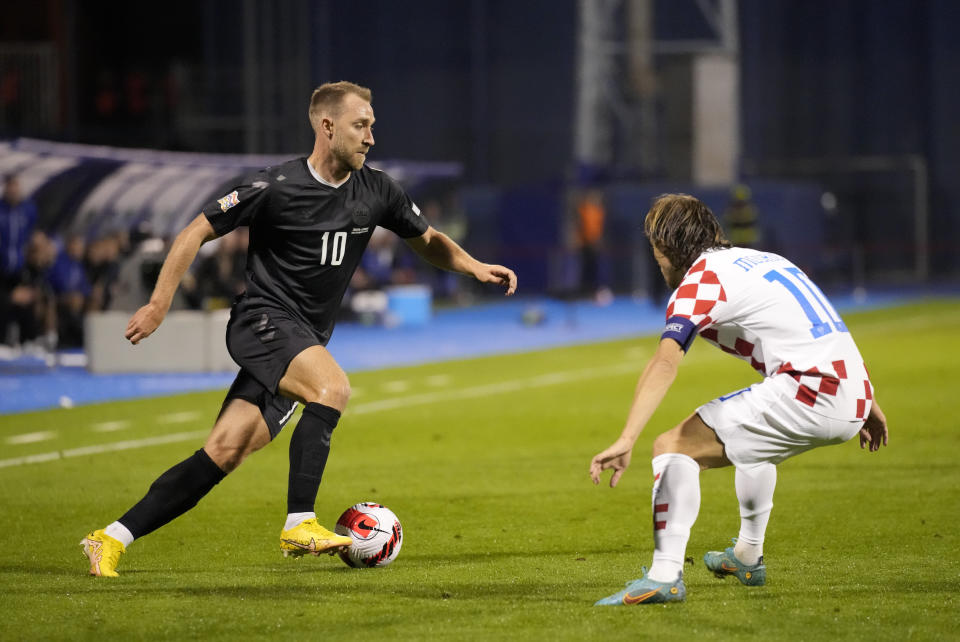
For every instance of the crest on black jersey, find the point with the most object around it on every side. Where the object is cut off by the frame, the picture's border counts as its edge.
(361, 216)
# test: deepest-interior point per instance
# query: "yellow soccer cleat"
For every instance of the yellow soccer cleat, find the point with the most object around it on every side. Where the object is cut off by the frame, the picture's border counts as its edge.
(103, 552)
(310, 537)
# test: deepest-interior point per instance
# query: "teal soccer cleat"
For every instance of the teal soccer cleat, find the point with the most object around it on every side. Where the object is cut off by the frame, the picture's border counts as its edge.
(647, 591)
(726, 563)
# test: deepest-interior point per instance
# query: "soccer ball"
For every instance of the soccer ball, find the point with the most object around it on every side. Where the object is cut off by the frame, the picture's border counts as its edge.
(376, 534)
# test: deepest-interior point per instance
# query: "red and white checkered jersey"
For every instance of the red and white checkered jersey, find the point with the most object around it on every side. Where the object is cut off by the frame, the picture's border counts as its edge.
(763, 309)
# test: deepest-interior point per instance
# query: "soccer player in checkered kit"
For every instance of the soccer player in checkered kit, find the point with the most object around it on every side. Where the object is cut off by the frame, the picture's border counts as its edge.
(310, 220)
(815, 391)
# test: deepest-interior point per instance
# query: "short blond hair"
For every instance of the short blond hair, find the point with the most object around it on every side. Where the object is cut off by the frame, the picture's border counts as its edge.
(682, 227)
(328, 98)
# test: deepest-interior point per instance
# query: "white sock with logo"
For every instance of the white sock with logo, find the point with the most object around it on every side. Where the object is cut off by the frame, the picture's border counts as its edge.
(293, 519)
(676, 502)
(120, 533)
(755, 488)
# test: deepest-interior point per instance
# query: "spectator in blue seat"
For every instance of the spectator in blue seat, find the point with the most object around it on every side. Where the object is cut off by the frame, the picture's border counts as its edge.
(71, 289)
(27, 315)
(18, 217)
(221, 276)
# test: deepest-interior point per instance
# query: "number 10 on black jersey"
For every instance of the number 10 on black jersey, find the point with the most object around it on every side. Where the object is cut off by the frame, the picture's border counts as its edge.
(338, 249)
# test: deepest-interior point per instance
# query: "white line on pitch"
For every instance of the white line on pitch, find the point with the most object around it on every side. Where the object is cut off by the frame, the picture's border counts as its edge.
(501, 387)
(178, 417)
(636, 352)
(31, 437)
(110, 426)
(396, 386)
(104, 448)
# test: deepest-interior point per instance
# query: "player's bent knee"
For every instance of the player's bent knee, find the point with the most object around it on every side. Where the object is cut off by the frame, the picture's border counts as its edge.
(238, 433)
(225, 457)
(707, 453)
(333, 392)
(679, 441)
(229, 454)
(663, 444)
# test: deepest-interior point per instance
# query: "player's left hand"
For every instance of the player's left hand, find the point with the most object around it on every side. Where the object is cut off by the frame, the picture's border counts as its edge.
(617, 457)
(874, 431)
(498, 274)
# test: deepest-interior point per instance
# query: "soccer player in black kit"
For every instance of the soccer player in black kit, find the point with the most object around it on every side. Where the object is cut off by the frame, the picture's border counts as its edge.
(310, 220)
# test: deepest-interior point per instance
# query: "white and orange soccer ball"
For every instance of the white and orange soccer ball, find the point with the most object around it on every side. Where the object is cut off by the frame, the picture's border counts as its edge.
(376, 534)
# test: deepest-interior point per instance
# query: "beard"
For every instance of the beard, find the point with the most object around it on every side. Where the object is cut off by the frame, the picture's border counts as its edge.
(348, 158)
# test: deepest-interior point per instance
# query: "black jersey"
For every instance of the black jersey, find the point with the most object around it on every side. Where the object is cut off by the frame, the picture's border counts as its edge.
(306, 238)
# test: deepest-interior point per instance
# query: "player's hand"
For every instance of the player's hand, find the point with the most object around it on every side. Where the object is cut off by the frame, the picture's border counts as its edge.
(144, 321)
(498, 274)
(617, 457)
(874, 431)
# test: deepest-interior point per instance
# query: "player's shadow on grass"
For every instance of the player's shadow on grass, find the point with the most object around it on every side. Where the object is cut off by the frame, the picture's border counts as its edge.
(580, 555)
(8, 571)
(359, 592)
(66, 570)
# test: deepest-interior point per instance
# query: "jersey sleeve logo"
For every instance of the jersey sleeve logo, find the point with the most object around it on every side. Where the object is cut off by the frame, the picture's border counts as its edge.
(228, 201)
(681, 330)
(697, 295)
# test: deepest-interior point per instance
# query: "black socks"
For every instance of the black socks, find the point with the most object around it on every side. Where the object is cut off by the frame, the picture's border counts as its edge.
(180, 488)
(173, 493)
(309, 448)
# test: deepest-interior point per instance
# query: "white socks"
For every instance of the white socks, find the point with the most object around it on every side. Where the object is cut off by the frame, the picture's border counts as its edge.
(676, 502)
(120, 533)
(755, 493)
(295, 518)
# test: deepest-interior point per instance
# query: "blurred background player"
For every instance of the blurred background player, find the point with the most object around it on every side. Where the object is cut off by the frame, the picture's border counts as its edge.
(310, 220)
(741, 219)
(591, 218)
(816, 391)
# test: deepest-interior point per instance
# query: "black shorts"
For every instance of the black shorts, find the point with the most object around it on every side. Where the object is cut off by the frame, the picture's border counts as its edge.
(263, 340)
(275, 409)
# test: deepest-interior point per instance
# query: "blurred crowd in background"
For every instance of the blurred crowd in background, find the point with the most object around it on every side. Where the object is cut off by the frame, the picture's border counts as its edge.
(831, 143)
(49, 281)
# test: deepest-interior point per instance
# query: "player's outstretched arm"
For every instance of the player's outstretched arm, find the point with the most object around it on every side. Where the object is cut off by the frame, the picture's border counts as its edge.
(182, 253)
(652, 387)
(874, 431)
(436, 248)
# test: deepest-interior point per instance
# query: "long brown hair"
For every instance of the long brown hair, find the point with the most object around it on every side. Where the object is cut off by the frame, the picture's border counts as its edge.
(682, 227)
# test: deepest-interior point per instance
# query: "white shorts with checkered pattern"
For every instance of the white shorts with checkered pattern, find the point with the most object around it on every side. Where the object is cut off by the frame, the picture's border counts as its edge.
(766, 424)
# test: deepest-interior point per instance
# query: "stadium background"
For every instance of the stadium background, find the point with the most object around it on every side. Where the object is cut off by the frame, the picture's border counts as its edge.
(832, 123)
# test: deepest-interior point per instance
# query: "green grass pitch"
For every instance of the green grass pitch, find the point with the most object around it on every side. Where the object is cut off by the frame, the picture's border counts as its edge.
(485, 462)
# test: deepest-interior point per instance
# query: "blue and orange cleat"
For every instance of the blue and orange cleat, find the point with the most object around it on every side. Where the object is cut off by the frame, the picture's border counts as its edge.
(726, 563)
(647, 591)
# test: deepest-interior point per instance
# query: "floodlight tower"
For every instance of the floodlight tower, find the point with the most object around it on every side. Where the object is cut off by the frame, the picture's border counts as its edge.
(620, 91)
